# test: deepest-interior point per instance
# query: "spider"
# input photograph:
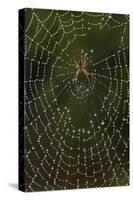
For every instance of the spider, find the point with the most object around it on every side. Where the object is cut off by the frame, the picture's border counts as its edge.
(80, 66)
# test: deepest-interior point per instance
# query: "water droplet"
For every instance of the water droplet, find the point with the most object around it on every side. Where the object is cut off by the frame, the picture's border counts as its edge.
(102, 122)
(58, 109)
(83, 130)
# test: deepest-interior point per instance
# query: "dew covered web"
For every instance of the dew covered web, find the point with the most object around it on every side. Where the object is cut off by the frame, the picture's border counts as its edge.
(76, 129)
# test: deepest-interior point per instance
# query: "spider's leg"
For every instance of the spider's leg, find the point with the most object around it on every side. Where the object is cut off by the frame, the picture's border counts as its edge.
(86, 73)
(76, 74)
(81, 58)
(75, 62)
(84, 62)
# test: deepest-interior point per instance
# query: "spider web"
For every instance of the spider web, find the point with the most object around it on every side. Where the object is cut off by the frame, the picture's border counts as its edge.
(76, 131)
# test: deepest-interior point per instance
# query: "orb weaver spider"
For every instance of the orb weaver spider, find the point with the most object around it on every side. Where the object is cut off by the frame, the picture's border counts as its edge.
(80, 66)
